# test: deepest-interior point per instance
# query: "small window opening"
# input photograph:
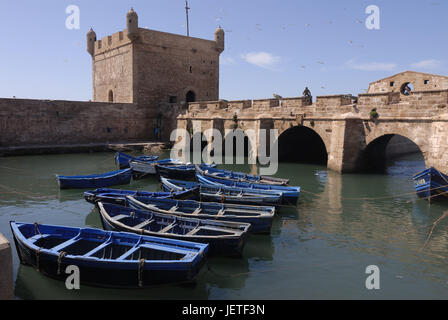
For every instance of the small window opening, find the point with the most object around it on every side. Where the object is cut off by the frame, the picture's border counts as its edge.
(191, 69)
(190, 97)
(426, 81)
(392, 83)
(111, 96)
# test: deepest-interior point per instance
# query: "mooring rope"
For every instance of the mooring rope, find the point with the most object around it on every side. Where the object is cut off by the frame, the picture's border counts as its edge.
(387, 197)
(434, 225)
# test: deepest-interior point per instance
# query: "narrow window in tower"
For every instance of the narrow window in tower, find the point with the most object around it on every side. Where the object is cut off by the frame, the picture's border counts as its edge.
(111, 96)
(191, 69)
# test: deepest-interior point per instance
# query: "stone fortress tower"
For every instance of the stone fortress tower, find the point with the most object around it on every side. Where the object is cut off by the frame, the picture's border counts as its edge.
(153, 68)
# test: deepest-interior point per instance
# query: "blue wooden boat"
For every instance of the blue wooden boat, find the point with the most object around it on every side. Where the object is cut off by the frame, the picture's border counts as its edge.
(143, 168)
(181, 172)
(222, 193)
(259, 217)
(431, 184)
(239, 176)
(225, 238)
(118, 196)
(290, 194)
(107, 179)
(122, 159)
(105, 258)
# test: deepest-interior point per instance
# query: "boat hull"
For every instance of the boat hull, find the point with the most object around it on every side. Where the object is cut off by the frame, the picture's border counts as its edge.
(95, 181)
(259, 222)
(231, 245)
(119, 196)
(103, 272)
(431, 184)
(122, 159)
(209, 194)
(289, 195)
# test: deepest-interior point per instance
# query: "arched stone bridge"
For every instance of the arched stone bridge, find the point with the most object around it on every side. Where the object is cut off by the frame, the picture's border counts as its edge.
(352, 129)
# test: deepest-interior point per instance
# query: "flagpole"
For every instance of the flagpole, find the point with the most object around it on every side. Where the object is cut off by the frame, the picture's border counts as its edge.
(188, 24)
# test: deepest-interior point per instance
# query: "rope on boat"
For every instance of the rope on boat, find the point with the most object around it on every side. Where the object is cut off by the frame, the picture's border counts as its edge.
(61, 255)
(388, 197)
(141, 266)
(36, 229)
(37, 259)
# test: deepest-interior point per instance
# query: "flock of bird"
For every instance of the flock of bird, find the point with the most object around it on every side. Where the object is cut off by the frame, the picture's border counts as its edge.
(258, 27)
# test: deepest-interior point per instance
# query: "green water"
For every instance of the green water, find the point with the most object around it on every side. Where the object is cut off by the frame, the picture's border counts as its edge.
(319, 250)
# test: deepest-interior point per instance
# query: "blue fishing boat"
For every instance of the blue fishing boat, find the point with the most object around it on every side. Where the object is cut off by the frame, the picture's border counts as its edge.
(259, 217)
(118, 196)
(105, 258)
(239, 176)
(181, 172)
(290, 194)
(223, 194)
(143, 168)
(225, 238)
(107, 179)
(431, 183)
(122, 159)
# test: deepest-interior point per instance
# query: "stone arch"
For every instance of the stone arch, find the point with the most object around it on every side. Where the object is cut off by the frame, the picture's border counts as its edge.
(318, 128)
(375, 155)
(302, 144)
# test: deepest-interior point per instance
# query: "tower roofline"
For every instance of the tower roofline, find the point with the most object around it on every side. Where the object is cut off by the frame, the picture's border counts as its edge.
(409, 71)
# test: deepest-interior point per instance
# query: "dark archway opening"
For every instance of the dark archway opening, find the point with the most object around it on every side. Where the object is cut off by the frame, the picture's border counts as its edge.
(302, 144)
(191, 96)
(384, 152)
(111, 96)
(237, 138)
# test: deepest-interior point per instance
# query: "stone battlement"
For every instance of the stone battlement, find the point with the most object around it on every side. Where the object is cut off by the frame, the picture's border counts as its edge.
(418, 103)
(155, 38)
(113, 41)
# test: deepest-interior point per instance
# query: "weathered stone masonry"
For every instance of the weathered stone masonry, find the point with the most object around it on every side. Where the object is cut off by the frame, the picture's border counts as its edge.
(142, 79)
(346, 128)
(42, 122)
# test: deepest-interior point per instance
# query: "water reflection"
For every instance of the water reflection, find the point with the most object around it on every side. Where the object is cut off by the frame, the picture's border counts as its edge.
(315, 250)
(31, 284)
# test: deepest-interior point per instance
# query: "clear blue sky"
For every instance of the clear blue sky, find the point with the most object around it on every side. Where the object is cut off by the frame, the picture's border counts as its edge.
(271, 46)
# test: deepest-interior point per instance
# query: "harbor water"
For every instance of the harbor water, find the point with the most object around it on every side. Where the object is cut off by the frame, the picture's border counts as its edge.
(318, 250)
